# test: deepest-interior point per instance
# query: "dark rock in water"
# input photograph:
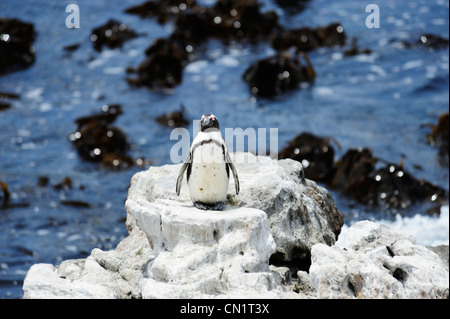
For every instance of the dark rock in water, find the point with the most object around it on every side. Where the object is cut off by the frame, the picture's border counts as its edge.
(96, 139)
(193, 27)
(4, 104)
(108, 115)
(229, 20)
(75, 203)
(117, 160)
(242, 19)
(306, 39)
(6, 95)
(315, 153)
(162, 9)
(16, 45)
(71, 47)
(173, 119)
(390, 186)
(99, 138)
(433, 41)
(439, 137)
(5, 198)
(65, 184)
(95, 136)
(425, 40)
(163, 65)
(393, 187)
(226, 20)
(353, 167)
(356, 174)
(43, 181)
(277, 74)
(112, 34)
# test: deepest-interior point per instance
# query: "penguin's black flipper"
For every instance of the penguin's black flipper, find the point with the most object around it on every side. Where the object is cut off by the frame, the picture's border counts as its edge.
(185, 166)
(233, 170)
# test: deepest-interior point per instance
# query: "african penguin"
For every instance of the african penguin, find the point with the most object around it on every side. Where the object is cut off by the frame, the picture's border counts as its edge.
(208, 167)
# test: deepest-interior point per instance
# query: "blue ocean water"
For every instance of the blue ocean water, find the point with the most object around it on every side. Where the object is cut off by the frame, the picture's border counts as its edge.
(382, 100)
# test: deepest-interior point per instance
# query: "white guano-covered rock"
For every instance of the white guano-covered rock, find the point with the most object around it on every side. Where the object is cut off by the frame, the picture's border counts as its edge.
(300, 212)
(378, 262)
(199, 253)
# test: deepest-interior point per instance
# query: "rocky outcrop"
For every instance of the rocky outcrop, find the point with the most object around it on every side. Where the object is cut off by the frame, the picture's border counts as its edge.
(174, 250)
(199, 254)
(102, 275)
(378, 262)
(300, 212)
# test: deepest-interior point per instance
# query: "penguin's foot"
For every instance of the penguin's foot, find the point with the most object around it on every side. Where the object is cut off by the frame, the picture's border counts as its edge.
(216, 206)
(201, 206)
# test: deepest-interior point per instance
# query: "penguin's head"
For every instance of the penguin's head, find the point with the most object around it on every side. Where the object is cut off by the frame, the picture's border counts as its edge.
(209, 121)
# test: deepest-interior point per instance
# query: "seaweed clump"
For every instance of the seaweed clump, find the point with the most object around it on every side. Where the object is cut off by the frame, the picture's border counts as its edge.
(16, 45)
(359, 175)
(97, 140)
(230, 20)
(112, 34)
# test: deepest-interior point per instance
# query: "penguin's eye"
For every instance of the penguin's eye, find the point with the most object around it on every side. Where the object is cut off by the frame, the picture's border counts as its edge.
(212, 117)
(202, 118)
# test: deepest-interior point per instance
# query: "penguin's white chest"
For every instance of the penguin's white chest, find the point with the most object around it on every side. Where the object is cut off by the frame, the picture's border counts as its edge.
(208, 179)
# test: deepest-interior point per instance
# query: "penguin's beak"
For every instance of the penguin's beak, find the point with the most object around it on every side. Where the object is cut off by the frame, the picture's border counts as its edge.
(206, 121)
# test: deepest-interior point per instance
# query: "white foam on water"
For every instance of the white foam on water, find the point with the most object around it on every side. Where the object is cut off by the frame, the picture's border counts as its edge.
(227, 61)
(428, 230)
(196, 67)
(413, 64)
(34, 93)
(321, 90)
(114, 70)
